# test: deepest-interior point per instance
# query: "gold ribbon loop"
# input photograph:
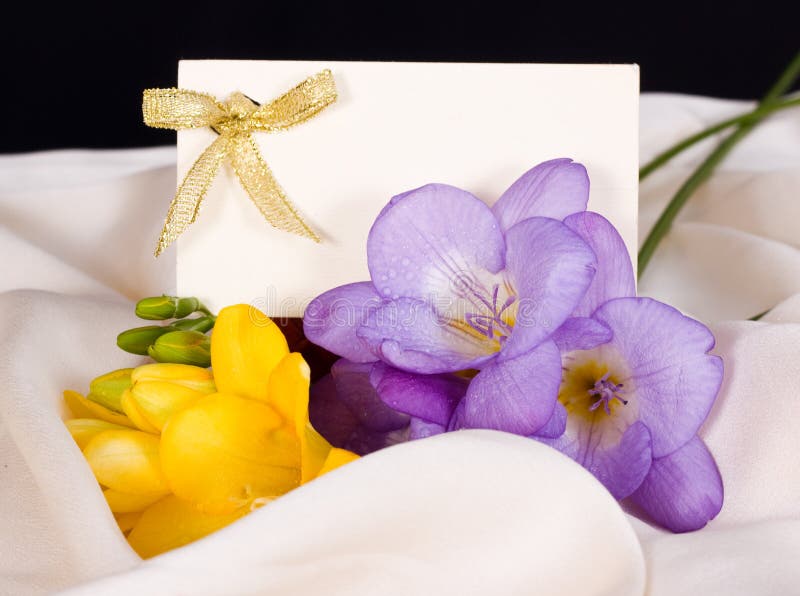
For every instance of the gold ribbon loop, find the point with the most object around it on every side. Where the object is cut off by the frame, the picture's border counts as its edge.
(234, 120)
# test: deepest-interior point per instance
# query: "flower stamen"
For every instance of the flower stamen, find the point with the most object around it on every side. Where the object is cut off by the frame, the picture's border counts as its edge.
(605, 391)
(492, 324)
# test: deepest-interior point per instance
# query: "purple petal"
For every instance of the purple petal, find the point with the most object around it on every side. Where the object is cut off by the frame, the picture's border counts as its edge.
(555, 189)
(429, 397)
(332, 319)
(335, 419)
(515, 395)
(422, 429)
(581, 333)
(614, 277)
(620, 460)
(673, 379)
(329, 414)
(423, 245)
(458, 420)
(683, 490)
(557, 424)
(550, 268)
(356, 391)
(409, 335)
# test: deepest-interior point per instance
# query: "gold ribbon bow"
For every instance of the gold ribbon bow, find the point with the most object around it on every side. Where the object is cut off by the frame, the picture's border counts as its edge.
(234, 120)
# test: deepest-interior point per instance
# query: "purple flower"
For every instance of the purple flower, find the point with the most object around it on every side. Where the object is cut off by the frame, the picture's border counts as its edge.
(364, 407)
(456, 285)
(638, 382)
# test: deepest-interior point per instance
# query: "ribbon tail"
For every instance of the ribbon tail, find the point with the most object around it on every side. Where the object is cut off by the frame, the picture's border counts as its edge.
(264, 190)
(185, 206)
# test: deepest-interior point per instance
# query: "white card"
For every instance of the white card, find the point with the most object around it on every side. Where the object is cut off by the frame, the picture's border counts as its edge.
(396, 126)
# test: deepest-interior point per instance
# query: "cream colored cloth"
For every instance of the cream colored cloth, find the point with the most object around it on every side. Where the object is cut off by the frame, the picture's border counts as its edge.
(465, 513)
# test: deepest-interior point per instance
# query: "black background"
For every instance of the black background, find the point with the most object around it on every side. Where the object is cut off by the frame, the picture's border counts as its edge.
(74, 72)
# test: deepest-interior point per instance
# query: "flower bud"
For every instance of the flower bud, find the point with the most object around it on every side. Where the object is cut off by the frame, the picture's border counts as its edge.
(107, 389)
(156, 401)
(193, 377)
(137, 340)
(160, 308)
(182, 347)
(201, 324)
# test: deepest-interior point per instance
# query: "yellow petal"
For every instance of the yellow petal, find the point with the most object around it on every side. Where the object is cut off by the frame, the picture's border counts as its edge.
(158, 400)
(120, 502)
(126, 521)
(245, 347)
(83, 408)
(337, 457)
(131, 409)
(171, 523)
(84, 430)
(126, 461)
(193, 377)
(224, 451)
(288, 388)
(288, 394)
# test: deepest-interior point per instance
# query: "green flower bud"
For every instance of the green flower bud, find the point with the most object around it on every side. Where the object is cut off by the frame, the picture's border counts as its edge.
(182, 347)
(137, 340)
(160, 308)
(201, 324)
(107, 389)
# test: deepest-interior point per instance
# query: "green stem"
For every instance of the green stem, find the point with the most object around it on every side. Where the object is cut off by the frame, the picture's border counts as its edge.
(758, 113)
(707, 167)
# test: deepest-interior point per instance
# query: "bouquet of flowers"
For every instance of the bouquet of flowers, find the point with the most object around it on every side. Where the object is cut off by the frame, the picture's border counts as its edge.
(520, 318)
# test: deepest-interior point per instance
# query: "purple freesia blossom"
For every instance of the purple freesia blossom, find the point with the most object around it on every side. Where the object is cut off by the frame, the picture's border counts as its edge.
(533, 305)
(456, 285)
(638, 382)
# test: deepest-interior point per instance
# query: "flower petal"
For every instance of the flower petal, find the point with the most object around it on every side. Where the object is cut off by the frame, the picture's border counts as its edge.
(245, 346)
(288, 389)
(332, 319)
(193, 377)
(431, 398)
(516, 395)
(422, 429)
(673, 378)
(683, 490)
(126, 461)
(581, 333)
(84, 430)
(357, 390)
(158, 400)
(555, 189)
(120, 502)
(614, 277)
(333, 417)
(83, 408)
(289, 395)
(619, 460)
(557, 424)
(225, 451)
(409, 335)
(419, 249)
(336, 458)
(550, 268)
(132, 411)
(171, 523)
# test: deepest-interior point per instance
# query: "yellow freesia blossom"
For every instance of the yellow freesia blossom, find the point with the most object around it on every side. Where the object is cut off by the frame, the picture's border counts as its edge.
(185, 452)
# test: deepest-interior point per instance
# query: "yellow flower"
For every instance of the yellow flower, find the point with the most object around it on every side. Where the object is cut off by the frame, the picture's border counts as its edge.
(192, 452)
